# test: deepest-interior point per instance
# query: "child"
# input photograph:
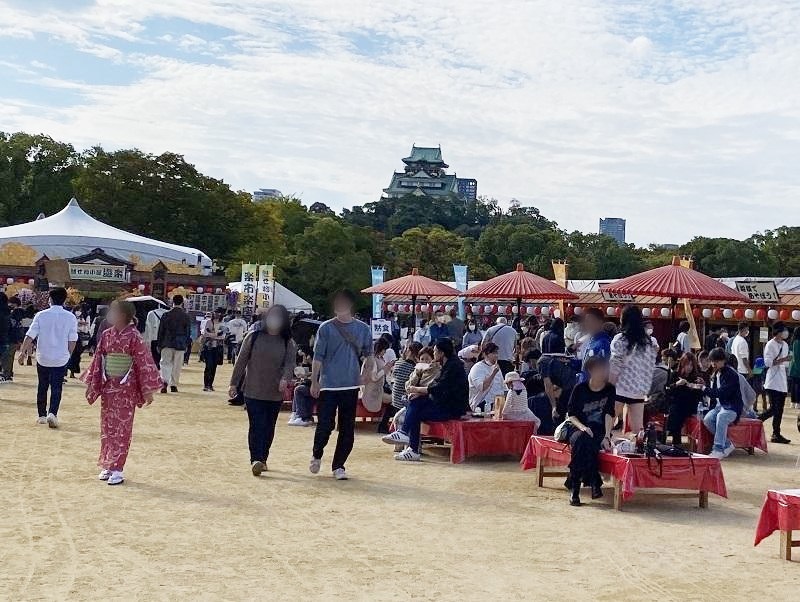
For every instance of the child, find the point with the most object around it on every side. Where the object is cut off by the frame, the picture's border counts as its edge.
(124, 376)
(425, 371)
(516, 406)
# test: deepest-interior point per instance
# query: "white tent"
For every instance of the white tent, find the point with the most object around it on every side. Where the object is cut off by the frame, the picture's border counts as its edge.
(283, 296)
(72, 232)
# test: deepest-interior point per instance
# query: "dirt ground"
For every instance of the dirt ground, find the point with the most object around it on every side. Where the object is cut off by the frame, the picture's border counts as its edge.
(192, 523)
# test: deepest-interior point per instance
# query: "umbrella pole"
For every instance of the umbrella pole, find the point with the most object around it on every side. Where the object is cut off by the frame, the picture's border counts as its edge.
(519, 312)
(413, 325)
(674, 302)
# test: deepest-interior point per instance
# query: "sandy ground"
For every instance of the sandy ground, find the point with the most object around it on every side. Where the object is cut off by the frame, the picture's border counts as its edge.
(191, 522)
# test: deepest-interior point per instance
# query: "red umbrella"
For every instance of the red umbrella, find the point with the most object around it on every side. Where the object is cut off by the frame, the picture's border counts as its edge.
(677, 282)
(519, 285)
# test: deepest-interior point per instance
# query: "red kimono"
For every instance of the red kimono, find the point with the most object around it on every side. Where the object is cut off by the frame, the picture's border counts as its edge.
(121, 395)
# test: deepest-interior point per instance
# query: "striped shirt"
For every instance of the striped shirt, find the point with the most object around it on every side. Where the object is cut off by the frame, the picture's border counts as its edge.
(402, 370)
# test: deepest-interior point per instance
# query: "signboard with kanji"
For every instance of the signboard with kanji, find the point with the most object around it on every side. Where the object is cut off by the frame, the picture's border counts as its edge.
(617, 297)
(205, 302)
(381, 327)
(266, 286)
(759, 292)
(249, 289)
(94, 271)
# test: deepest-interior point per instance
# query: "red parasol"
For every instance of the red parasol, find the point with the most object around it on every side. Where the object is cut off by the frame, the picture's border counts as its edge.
(519, 285)
(413, 286)
(677, 282)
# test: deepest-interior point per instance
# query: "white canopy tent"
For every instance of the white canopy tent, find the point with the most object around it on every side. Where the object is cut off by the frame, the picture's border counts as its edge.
(283, 296)
(72, 232)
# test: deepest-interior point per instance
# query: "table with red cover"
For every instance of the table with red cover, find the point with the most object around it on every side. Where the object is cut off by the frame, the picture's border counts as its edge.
(482, 437)
(702, 473)
(781, 512)
(747, 434)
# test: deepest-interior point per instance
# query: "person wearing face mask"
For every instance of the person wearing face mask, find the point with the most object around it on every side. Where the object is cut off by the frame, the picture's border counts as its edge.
(211, 342)
(648, 328)
(422, 335)
(486, 378)
(776, 385)
(439, 329)
(516, 405)
(265, 365)
(472, 334)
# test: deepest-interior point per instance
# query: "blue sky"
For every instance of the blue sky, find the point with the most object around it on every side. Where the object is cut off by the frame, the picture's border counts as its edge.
(682, 116)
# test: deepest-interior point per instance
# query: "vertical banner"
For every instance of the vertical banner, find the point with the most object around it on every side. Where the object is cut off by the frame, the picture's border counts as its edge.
(461, 278)
(378, 273)
(694, 337)
(561, 273)
(249, 290)
(266, 286)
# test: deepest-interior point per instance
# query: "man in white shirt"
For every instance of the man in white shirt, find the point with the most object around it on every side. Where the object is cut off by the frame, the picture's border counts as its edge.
(150, 336)
(740, 349)
(237, 327)
(776, 383)
(505, 337)
(55, 331)
(683, 338)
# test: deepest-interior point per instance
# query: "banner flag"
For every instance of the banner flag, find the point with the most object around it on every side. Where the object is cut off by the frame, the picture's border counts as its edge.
(249, 290)
(378, 273)
(266, 286)
(462, 282)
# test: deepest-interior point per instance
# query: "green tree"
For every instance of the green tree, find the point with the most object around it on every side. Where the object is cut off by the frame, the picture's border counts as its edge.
(502, 246)
(594, 256)
(782, 247)
(432, 250)
(726, 257)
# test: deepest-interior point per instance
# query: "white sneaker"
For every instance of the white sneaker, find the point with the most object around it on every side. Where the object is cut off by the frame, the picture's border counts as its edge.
(257, 468)
(309, 422)
(104, 475)
(339, 474)
(408, 455)
(293, 421)
(116, 478)
(314, 465)
(717, 454)
(396, 438)
(52, 421)
(729, 450)
(41, 420)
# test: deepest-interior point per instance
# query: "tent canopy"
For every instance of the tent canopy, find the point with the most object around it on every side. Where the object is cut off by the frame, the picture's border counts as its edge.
(283, 296)
(72, 232)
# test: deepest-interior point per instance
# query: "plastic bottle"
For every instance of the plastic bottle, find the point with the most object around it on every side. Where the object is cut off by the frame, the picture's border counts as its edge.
(700, 409)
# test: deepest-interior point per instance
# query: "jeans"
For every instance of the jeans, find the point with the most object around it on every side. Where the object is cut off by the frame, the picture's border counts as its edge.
(303, 403)
(717, 422)
(329, 403)
(777, 400)
(53, 379)
(7, 360)
(422, 409)
(171, 365)
(263, 415)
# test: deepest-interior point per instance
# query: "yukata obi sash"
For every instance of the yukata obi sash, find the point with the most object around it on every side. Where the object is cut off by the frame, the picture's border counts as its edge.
(117, 365)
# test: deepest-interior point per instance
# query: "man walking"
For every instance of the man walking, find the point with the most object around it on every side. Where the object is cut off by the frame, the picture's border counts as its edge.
(505, 337)
(776, 383)
(335, 379)
(55, 331)
(150, 336)
(174, 333)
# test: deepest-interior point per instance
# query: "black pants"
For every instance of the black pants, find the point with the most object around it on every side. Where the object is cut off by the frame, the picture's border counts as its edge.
(263, 415)
(678, 413)
(211, 359)
(156, 353)
(583, 466)
(388, 413)
(777, 400)
(329, 403)
(506, 366)
(53, 379)
(74, 363)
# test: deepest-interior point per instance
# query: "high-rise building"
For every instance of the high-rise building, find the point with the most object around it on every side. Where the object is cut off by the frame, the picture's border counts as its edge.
(424, 175)
(613, 227)
(264, 194)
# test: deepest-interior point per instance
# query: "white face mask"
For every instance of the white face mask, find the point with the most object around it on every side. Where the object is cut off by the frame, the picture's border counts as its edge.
(785, 334)
(472, 326)
(649, 331)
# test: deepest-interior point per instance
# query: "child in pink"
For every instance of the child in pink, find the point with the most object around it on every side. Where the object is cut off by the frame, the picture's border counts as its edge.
(124, 376)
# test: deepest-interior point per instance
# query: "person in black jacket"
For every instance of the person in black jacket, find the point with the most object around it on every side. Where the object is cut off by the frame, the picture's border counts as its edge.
(725, 389)
(174, 334)
(446, 398)
(5, 325)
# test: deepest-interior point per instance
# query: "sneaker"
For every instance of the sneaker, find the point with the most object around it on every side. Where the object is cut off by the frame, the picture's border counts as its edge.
(104, 475)
(294, 421)
(116, 478)
(396, 438)
(780, 439)
(729, 450)
(717, 454)
(163, 390)
(339, 474)
(408, 455)
(257, 468)
(206, 389)
(292, 418)
(314, 465)
(52, 421)
(41, 420)
(309, 422)
(173, 389)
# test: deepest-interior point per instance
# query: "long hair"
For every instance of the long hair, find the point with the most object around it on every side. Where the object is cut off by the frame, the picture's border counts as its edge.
(689, 367)
(286, 322)
(632, 328)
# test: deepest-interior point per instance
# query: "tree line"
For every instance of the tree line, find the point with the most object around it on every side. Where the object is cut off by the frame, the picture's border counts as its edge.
(317, 250)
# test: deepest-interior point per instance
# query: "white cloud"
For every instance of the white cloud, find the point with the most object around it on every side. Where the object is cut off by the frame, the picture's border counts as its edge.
(685, 120)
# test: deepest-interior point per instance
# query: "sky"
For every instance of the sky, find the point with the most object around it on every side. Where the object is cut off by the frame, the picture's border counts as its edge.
(681, 116)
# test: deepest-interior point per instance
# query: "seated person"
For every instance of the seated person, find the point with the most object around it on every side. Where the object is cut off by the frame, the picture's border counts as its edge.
(557, 372)
(447, 398)
(469, 355)
(727, 392)
(425, 372)
(302, 401)
(540, 405)
(684, 395)
(749, 394)
(591, 412)
(516, 405)
(486, 379)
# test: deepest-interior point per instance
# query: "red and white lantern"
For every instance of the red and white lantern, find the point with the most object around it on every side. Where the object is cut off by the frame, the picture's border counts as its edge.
(785, 314)
(796, 315)
(545, 311)
(31, 281)
(200, 289)
(738, 313)
(647, 312)
(749, 314)
(761, 314)
(609, 311)
(707, 312)
(772, 314)
(578, 310)
(665, 312)
(9, 281)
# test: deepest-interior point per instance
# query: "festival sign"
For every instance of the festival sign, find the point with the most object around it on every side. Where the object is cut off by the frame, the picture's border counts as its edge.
(94, 271)
(266, 286)
(616, 297)
(763, 291)
(381, 327)
(249, 289)
(461, 280)
(378, 274)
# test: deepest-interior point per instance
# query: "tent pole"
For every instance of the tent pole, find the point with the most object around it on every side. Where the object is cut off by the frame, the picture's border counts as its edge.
(413, 325)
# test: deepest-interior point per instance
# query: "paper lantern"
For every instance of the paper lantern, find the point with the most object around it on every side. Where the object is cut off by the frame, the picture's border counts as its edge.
(514, 310)
(578, 310)
(785, 314)
(448, 308)
(749, 314)
(738, 313)
(545, 311)
(646, 312)
(761, 314)
(537, 311)
(618, 311)
(509, 310)
(707, 313)
(441, 308)
(9, 281)
(200, 289)
(476, 309)
(557, 313)
(796, 315)
(696, 312)
(218, 291)
(141, 287)
(495, 309)
(665, 312)
(716, 313)
(727, 313)
(772, 314)
(609, 311)
(523, 310)
(31, 281)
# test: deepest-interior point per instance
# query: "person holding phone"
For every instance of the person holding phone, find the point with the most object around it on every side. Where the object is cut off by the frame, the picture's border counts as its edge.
(486, 378)
(776, 384)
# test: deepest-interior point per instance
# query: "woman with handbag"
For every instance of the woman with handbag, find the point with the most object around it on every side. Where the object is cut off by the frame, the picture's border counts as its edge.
(590, 415)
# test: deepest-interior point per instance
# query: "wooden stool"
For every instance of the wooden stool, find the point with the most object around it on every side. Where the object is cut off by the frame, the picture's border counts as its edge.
(787, 543)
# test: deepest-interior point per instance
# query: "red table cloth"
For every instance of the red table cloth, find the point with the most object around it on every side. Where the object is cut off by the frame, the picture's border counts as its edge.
(781, 511)
(748, 433)
(481, 437)
(700, 474)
